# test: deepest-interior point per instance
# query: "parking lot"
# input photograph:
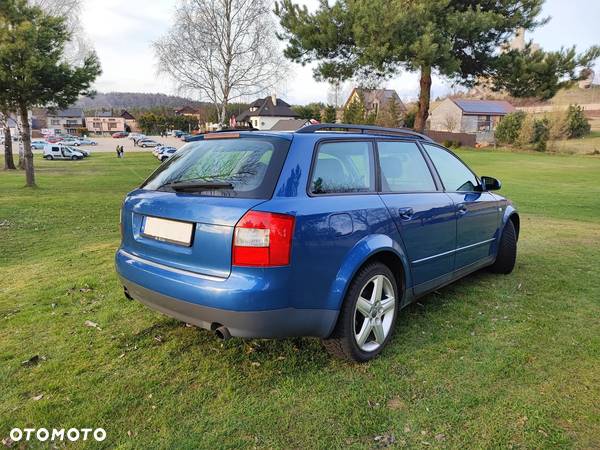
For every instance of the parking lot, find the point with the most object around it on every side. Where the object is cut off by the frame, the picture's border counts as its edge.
(108, 144)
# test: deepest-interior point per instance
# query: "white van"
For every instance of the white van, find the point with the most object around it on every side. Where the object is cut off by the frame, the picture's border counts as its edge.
(57, 151)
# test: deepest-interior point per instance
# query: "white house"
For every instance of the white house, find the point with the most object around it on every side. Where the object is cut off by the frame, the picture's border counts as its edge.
(264, 113)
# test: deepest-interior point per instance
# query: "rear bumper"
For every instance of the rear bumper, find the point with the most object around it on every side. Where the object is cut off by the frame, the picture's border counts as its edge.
(193, 301)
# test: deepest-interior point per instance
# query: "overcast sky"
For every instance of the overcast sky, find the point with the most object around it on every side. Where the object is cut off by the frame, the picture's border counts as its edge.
(122, 33)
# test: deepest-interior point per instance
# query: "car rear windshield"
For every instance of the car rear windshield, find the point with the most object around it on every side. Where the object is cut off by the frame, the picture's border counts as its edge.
(249, 166)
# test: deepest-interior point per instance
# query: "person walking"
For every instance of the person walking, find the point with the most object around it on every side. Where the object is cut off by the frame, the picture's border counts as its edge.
(118, 151)
(122, 151)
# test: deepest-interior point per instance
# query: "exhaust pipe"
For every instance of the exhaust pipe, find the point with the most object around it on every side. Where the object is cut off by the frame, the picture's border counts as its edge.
(126, 292)
(223, 333)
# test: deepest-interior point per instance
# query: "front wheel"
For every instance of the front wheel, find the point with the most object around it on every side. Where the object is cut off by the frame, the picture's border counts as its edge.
(49, 157)
(367, 317)
(507, 251)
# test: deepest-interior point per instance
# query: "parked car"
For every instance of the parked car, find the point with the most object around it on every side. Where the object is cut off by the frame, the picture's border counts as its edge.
(38, 144)
(86, 141)
(70, 141)
(185, 136)
(166, 153)
(53, 139)
(312, 233)
(85, 153)
(136, 136)
(57, 151)
(145, 143)
(120, 134)
(156, 151)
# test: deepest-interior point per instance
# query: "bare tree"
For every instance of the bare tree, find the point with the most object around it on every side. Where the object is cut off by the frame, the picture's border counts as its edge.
(78, 47)
(450, 123)
(337, 93)
(222, 49)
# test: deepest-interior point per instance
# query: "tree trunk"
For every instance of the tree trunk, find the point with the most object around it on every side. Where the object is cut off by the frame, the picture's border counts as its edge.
(9, 162)
(21, 163)
(424, 97)
(223, 115)
(26, 137)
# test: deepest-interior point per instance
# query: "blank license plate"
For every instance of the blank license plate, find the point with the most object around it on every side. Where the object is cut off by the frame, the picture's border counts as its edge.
(169, 230)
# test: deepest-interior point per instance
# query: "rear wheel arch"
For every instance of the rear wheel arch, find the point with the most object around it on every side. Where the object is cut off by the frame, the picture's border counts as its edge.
(389, 258)
(393, 262)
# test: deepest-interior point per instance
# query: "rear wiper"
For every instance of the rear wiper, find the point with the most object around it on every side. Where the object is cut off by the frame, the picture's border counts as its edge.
(199, 185)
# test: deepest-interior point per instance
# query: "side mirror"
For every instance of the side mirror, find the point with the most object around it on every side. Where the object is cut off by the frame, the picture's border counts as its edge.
(490, 184)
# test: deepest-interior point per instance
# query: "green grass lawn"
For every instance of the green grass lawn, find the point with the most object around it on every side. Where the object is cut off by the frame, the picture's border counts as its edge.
(491, 361)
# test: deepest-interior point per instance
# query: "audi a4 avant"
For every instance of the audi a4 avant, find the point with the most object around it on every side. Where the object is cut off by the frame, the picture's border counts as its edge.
(328, 231)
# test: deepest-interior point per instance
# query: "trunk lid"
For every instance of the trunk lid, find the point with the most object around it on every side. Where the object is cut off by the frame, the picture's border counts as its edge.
(213, 220)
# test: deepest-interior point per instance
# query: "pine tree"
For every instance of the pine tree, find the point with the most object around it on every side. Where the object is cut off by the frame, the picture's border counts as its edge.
(330, 114)
(33, 70)
(454, 38)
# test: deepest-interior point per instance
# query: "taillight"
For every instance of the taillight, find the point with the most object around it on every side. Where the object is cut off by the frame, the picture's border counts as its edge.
(263, 239)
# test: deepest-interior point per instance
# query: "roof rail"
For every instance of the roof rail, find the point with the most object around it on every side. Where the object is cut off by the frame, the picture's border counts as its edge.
(364, 129)
(200, 136)
(228, 130)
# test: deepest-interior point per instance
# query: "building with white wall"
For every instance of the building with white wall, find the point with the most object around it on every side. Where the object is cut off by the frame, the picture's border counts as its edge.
(264, 113)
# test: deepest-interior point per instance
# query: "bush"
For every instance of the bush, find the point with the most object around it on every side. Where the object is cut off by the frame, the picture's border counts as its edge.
(557, 125)
(577, 124)
(525, 136)
(409, 118)
(541, 134)
(509, 128)
(452, 144)
(534, 131)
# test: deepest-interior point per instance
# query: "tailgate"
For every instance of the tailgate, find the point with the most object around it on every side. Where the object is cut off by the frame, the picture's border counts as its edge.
(183, 231)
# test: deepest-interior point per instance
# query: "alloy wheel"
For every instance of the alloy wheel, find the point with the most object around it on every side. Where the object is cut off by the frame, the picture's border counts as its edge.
(374, 313)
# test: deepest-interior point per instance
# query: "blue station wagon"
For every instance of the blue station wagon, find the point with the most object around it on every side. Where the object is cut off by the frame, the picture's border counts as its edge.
(328, 231)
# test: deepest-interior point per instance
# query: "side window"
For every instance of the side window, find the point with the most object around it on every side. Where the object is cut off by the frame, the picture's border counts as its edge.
(403, 168)
(55, 149)
(343, 167)
(454, 174)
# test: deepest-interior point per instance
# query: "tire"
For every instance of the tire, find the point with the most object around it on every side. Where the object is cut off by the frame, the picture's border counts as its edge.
(49, 157)
(74, 158)
(352, 324)
(507, 251)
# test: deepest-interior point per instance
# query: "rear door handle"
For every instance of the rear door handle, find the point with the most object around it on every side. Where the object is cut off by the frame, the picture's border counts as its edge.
(462, 209)
(405, 213)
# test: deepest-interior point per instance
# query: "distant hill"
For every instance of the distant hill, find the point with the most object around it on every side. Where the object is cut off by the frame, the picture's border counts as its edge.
(577, 95)
(135, 101)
